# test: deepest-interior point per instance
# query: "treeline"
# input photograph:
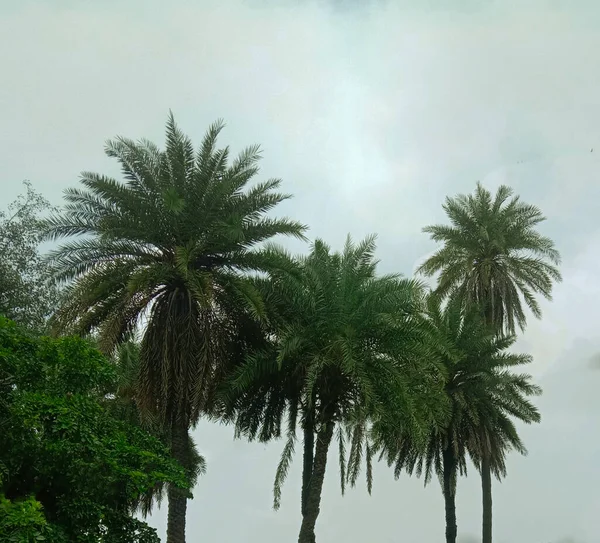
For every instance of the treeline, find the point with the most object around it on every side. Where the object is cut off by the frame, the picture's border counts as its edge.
(167, 301)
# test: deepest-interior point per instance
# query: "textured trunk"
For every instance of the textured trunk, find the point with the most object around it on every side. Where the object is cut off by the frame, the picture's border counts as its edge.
(177, 513)
(308, 458)
(178, 496)
(450, 495)
(313, 497)
(486, 467)
(486, 488)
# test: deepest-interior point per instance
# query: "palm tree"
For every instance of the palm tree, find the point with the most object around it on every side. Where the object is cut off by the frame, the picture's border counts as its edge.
(167, 252)
(483, 394)
(344, 342)
(123, 405)
(493, 258)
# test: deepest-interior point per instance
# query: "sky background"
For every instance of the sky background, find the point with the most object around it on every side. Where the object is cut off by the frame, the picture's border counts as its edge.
(372, 113)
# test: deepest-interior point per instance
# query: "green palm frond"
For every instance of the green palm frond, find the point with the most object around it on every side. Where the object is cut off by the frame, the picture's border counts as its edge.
(282, 470)
(346, 347)
(169, 251)
(493, 257)
(484, 395)
(123, 405)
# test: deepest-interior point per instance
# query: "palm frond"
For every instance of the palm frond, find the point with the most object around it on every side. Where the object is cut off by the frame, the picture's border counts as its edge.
(493, 254)
(483, 392)
(169, 252)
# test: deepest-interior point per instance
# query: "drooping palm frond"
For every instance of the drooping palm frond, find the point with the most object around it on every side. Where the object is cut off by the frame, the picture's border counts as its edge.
(493, 257)
(346, 347)
(484, 393)
(124, 405)
(168, 250)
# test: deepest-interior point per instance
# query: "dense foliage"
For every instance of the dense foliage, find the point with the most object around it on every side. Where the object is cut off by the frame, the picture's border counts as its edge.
(346, 345)
(124, 407)
(172, 242)
(317, 348)
(25, 295)
(69, 470)
(484, 394)
(493, 260)
(492, 256)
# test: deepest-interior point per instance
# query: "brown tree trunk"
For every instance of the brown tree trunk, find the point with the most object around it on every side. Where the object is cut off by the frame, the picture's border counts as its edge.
(178, 496)
(486, 488)
(313, 498)
(450, 494)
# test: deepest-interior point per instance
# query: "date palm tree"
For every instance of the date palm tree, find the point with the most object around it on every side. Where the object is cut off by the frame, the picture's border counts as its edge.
(124, 406)
(344, 342)
(167, 251)
(493, 258)
(484, 395)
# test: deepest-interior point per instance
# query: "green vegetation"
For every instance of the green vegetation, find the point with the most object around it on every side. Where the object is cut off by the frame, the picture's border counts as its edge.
(172, 274)
(483, 394)
(345, 345)
(172, 242)
(491, 259)
(24, 295)
(124, 406)
(69, 470)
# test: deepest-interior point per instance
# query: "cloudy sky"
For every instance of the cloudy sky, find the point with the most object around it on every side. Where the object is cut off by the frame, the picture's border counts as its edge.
(372, 113)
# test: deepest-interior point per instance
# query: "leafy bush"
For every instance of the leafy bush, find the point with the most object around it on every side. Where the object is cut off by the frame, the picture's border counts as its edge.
(70, 470)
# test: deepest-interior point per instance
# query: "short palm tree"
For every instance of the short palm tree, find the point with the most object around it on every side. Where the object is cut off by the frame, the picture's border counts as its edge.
(344, 342)
(167, 251)
(493, 258)
(484, 395)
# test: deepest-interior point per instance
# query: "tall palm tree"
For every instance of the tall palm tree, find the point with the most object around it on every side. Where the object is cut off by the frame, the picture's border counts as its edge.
(123, 405)
(493, 258)
(344, 342)
(483, 394)
(167, 251)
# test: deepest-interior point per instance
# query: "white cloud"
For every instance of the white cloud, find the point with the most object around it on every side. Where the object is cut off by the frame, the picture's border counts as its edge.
(371, 115)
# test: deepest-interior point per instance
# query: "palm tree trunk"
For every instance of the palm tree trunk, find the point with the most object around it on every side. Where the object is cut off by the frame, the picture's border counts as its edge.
(450, 494)
(486, 465)
(313, 498)
(178, 496)
(486, 487)
(177, 514)
(308, 458)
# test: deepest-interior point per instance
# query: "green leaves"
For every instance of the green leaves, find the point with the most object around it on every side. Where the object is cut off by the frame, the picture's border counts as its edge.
(483, 393)
(492, 256)
(25, 295)
(174, 242)
(347, 347)
(492, 260)
(23, 521)
(61, 444)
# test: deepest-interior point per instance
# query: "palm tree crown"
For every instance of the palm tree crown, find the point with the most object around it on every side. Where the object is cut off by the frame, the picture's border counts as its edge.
(484, 395)
(167, 244)
(344, 343)
(493, 257)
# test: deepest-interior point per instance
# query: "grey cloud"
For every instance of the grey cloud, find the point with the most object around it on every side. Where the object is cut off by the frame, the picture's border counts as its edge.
(594, 362)
(371, 115)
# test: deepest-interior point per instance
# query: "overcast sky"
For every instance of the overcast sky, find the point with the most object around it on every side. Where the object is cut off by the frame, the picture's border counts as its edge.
(371, 113)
